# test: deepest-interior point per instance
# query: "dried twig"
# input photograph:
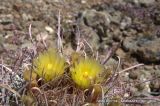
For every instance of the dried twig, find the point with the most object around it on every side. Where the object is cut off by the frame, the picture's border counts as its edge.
(43, 41)
(41, 93)
(102, 96)
(3, 90)
(9, 70)
(88, 45)
(132, 67)
(111, 53)
(97, 55)
(114, 73)
(30, 33)
(74, 100)
(59, 41)
(78, 35)
(19, 60)
(10, 89)
(114, 76)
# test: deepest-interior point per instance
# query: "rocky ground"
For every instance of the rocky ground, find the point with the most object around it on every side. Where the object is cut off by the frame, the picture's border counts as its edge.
(132, 24)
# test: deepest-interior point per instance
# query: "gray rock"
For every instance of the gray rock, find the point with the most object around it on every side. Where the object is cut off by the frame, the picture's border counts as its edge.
(145, 2)
(91, 37)
(27, 44)
(8, 46)
(129, 44)
(126, 21)
(156, 18)
(97, 20)
(145, 49)
(116, 17)
(117, 35)
(26, 17)
(155, 87)
(6, 19)
(94, 18)
(149, 51)
(133, 75)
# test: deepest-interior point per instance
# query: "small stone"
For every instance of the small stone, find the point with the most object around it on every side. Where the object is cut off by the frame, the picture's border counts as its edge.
(99, 21)
(155, 87)
(6, 19)
(133, 75)
(27, 44)
(93, 18)
(116, 17)
(83, 1)
(1, 28)
(126, 22)
(117, 35)
(26, 17)
(129, 44)
(146, 2)
(156, 17)
(10, 46)
(49, 29)
(120, 53)
(140, 86)
(57, 1)
(144, 48)
(149, 51)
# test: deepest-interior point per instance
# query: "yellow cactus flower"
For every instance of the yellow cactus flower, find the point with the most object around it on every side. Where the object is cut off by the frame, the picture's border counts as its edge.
(49, 65)
(86, 73)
